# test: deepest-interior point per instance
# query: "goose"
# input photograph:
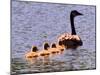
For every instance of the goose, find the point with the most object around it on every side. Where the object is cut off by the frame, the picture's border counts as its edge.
(60, 47)
(32, 55)
(54, 50)
(45, 53)
(71, 40)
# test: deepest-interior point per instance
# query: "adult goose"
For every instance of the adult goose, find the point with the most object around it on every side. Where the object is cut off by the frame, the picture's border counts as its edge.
(71, 40)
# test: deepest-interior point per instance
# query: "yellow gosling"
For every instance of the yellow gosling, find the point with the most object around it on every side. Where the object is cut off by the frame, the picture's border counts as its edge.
(60, 47)
(44, 54)
(53, 50)
(32, 55)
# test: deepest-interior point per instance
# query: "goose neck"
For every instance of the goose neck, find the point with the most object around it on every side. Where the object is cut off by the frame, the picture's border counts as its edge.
(72, 25)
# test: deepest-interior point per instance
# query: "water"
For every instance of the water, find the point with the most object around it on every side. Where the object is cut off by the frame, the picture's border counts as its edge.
(35, 23)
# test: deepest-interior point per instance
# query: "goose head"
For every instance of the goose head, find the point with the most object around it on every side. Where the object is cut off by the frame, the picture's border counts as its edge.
(75, 13)
(34, 49)
(46, 46)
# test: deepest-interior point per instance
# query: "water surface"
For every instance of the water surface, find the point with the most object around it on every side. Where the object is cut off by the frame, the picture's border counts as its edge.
(34, 23)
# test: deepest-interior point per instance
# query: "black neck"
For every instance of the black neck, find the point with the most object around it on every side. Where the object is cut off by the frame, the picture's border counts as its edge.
(72, 25)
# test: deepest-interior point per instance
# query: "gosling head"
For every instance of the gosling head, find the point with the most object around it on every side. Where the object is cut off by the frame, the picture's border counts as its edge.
(53, 45)
(60, 43)
(34, 49)
(46, 46)
(75, 13)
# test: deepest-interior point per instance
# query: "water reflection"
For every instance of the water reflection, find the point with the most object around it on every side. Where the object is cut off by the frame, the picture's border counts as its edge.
(54, 64)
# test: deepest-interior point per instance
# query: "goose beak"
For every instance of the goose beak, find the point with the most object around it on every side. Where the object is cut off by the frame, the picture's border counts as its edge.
(80, 14)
